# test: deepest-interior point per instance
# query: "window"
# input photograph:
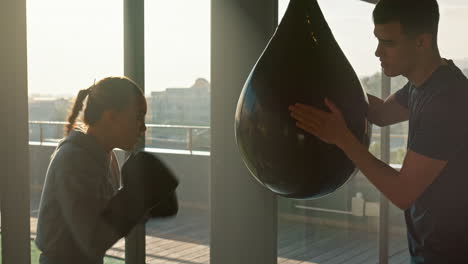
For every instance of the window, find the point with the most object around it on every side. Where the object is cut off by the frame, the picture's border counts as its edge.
(177, 83)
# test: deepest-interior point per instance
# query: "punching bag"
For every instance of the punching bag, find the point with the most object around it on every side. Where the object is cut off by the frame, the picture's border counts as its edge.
(302, 63)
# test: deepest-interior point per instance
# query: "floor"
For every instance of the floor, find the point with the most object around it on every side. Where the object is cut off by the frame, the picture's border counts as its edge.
(185, 240)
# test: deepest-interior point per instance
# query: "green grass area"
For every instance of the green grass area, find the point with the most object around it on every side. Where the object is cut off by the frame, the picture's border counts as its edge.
(35, 256)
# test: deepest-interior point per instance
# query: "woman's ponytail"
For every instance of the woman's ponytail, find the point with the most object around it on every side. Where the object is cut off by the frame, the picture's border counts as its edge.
(77, 107)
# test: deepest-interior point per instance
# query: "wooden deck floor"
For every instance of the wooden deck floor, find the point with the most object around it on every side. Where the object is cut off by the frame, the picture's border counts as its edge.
(185, 240)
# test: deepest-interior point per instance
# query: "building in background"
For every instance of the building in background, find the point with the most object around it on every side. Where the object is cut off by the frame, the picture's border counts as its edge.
(180, 107)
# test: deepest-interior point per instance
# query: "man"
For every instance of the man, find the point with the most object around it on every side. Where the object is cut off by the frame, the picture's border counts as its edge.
(430, 187)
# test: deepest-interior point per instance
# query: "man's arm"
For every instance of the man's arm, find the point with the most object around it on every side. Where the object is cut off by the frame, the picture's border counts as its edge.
(402, 187)
(385, 113)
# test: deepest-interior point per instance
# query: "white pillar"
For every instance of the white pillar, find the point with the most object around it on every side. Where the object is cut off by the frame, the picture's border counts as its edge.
(14, 157)
(243, 214)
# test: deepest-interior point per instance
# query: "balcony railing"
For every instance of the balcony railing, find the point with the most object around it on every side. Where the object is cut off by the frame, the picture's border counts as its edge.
(46, 133)
(42, 132)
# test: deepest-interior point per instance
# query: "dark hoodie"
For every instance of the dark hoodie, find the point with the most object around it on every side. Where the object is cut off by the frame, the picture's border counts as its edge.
(77, 188)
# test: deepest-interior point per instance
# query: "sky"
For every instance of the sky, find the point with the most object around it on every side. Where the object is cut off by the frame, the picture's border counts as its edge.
(71, 43)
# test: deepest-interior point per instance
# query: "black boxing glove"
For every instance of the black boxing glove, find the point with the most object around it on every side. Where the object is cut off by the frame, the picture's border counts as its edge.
(168, 207)
(147, 183)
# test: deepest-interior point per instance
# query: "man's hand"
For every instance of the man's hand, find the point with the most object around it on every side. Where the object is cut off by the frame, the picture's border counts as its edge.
(328, 126)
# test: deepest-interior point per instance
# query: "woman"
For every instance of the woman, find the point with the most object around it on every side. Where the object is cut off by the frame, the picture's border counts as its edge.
(83, 175)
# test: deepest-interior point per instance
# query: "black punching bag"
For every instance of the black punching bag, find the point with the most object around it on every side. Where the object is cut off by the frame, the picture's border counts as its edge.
(302, 63)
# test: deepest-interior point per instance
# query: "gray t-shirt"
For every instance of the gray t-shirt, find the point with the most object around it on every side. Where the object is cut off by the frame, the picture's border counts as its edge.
(80, 181)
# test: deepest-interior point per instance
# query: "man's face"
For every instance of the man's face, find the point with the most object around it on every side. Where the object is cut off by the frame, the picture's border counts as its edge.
(395, 50)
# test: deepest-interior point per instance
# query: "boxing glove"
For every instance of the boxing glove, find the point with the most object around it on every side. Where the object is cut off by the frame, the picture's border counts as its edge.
(168, 207)
(146, 184)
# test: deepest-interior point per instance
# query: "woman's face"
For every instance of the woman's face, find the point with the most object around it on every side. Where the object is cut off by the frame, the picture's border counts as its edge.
(130, 124)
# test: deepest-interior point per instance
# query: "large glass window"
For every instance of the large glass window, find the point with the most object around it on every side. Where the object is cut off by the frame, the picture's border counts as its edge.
(177, 74)
(70, 44)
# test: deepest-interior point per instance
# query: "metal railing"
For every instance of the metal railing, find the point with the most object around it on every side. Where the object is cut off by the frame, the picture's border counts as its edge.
(189, 134)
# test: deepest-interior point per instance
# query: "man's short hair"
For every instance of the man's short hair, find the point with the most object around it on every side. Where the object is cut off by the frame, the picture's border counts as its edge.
(415, 16)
